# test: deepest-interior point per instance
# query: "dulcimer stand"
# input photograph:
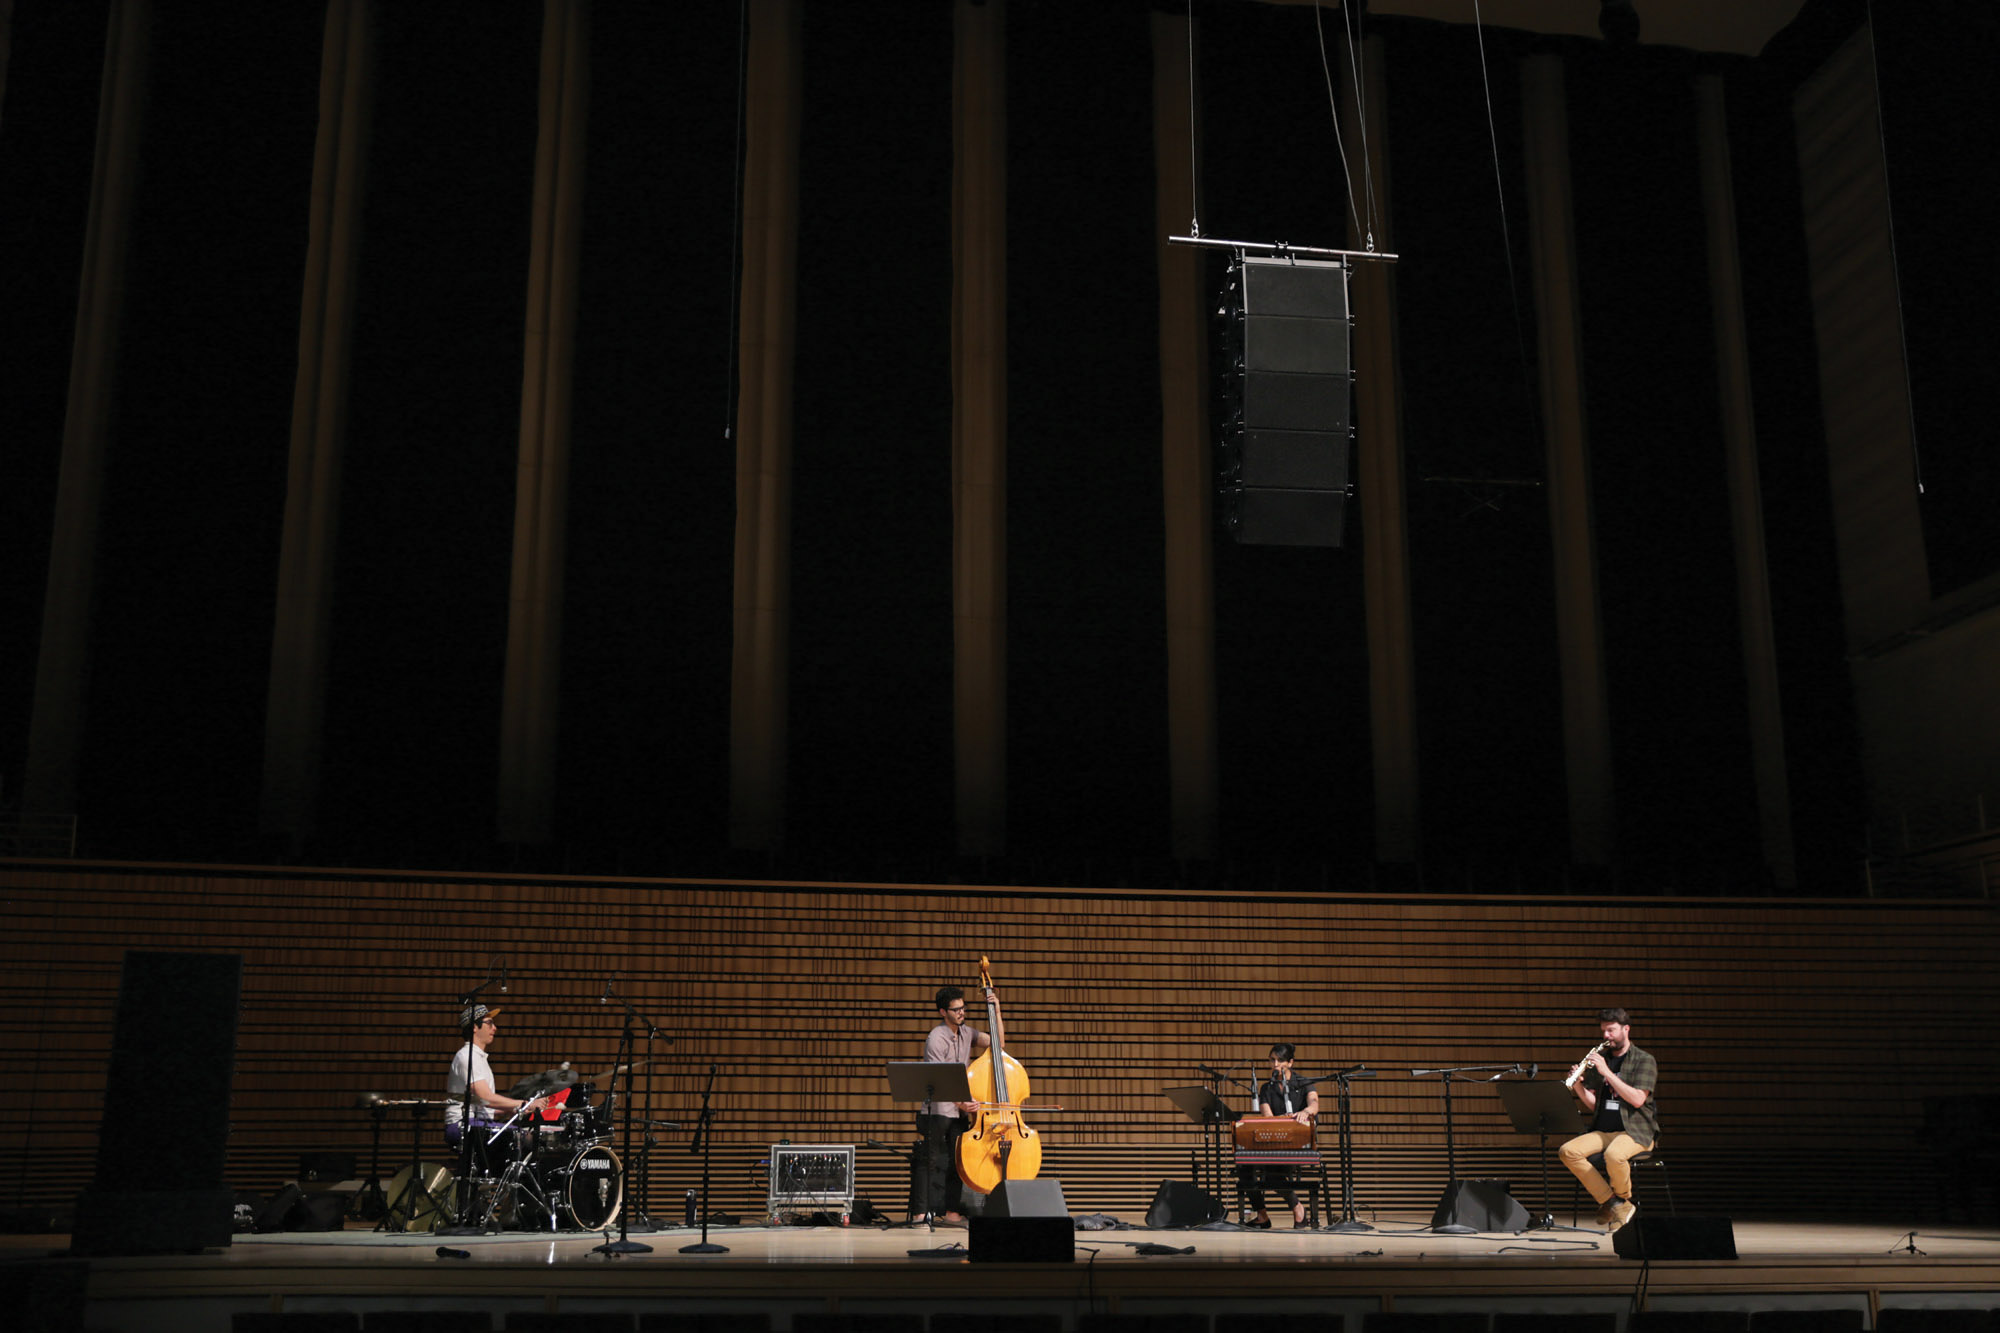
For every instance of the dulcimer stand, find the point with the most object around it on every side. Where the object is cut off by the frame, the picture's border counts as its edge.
(1207, 1109)
(1543, 1109)
(928, 1082)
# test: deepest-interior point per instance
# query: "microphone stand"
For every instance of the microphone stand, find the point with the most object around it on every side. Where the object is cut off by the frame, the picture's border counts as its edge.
(646, 1146)
(1445, 1078)
(625, 1244)
(1348, 1221)
(1256, 1086)
(704, 1135)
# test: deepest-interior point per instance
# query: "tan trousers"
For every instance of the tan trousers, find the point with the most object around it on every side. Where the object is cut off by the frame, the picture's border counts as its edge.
(1618, 1150)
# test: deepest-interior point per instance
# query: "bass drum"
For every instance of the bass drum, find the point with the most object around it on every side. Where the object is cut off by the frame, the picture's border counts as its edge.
(585, 1187)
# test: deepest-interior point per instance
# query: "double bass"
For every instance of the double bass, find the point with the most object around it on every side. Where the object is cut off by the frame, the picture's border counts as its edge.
(1000, 1146)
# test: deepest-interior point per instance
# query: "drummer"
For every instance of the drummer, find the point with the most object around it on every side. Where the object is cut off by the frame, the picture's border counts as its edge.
(478, 1025)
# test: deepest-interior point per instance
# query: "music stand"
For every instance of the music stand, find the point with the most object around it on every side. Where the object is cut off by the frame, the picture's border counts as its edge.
(1543, 1109)
(1208, 1110)
(929, 1082)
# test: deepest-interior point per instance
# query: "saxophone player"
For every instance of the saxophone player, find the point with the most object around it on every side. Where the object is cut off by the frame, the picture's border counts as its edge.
(1616, 1090)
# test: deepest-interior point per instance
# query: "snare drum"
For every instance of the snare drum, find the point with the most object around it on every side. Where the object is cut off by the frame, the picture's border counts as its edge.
(493, 1148)
(585, 1186)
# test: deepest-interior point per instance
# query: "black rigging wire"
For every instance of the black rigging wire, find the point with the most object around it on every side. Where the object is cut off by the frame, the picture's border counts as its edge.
(1528, 391)
(1350, 23)
(1194, 171)
(1333, 104)
(736, 224)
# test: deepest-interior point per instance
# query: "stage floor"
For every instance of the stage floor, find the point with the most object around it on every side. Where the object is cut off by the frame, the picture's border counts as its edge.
(784, 1271)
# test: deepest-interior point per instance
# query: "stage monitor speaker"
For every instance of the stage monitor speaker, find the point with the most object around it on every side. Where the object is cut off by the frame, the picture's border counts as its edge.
(278, 1210)
(1179, 1204)
(1650, 1237)
(292, 1209)
(1027, 1198)
(1020, 1240)
(1483, 1205)
(173, 1056)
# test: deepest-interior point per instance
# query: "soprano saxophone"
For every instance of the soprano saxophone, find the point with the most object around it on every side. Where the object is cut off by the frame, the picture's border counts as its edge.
(1583, 1064)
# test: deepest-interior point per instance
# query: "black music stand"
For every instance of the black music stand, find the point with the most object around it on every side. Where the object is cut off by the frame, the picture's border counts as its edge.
(1543, 1109)
(1208, 1110)
(929, 1082)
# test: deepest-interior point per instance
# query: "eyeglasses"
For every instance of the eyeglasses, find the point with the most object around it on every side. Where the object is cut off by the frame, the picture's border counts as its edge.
(955, 1009)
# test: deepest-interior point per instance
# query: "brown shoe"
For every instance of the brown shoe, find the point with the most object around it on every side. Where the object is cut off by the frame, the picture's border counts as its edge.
(1604, 1212)
(1622, 1212)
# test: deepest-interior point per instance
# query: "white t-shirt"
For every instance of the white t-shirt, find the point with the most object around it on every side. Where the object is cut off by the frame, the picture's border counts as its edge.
(454, 1084)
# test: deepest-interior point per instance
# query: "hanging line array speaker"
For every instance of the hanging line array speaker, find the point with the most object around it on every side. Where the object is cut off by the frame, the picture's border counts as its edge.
(1286, 384)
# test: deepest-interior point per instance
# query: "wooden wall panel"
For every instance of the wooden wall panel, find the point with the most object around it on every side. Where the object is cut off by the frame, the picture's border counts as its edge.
(1816, 1025)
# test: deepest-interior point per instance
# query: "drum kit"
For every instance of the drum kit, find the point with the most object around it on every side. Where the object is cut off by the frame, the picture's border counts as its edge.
(547, 1170)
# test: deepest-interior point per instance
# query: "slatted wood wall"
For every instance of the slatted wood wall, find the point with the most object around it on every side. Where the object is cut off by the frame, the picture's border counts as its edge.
(1797, 1039)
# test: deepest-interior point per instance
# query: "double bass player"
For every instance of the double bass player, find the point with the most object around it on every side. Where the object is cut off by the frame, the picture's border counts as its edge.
(939, 1124)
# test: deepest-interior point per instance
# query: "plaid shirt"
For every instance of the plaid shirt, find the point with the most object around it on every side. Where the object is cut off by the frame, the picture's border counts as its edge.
(1639, 1070)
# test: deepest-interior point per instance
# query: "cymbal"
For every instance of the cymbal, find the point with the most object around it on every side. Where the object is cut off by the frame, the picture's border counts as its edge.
(534, 1085)
(605, 1077)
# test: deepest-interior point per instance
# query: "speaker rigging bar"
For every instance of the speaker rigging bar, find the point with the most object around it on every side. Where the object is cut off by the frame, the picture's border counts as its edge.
(1280, 248)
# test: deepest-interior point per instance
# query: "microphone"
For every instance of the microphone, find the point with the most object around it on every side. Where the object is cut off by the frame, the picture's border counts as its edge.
(606, 997)
(1206, 1070)
(1533, 1069)
(503, 978)
(446, 1252)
